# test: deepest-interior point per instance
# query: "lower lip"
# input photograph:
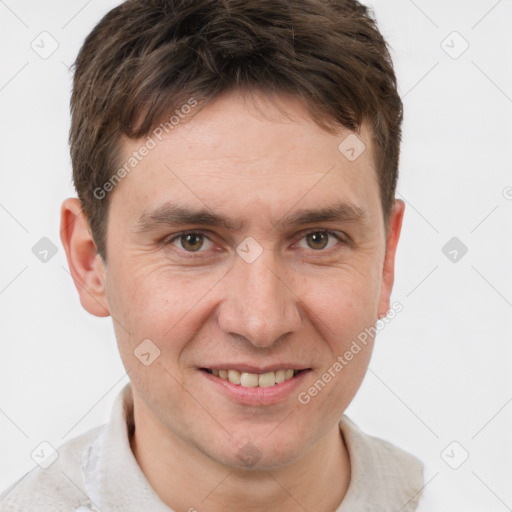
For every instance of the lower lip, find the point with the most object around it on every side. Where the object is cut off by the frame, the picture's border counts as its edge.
(256, 395)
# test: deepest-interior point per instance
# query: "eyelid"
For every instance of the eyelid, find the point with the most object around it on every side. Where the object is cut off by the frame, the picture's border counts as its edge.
(169, 240)
(334, 234)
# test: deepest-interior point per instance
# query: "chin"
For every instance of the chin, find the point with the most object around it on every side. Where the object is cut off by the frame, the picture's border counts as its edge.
(260, 452)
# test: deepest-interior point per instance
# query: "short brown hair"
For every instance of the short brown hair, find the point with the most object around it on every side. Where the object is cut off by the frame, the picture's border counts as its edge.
(146, 58)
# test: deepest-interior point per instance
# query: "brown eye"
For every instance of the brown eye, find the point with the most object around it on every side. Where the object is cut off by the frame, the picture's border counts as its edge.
(192, 242)
(321, 241)
(317, 240)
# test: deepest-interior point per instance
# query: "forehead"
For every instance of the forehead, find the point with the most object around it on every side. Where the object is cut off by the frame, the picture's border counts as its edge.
(235, 151)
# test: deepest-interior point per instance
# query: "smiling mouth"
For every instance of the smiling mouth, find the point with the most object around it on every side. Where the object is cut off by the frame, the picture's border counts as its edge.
(254, 380)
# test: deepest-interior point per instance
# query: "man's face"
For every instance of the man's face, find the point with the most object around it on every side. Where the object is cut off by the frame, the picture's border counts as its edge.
(270, 289)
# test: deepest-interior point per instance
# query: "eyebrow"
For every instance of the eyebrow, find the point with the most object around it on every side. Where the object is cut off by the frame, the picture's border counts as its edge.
(171, 215)
(339, 212)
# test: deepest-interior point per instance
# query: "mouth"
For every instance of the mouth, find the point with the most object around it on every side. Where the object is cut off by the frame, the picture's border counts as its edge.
(247, 379)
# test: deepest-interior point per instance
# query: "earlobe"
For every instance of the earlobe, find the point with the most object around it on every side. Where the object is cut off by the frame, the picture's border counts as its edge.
(85, 264)
(388, 269)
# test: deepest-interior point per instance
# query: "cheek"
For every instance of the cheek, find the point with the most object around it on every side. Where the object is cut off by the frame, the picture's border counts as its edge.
(344, 311)
(342, 303)
(156, 302)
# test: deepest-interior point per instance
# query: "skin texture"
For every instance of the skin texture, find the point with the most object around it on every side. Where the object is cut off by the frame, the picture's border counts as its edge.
(297, 305)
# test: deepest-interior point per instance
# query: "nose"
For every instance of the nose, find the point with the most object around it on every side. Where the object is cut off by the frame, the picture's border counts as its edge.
(259, 303)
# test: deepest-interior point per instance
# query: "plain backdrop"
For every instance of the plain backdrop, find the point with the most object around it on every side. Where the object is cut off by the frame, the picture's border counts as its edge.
(439, 383)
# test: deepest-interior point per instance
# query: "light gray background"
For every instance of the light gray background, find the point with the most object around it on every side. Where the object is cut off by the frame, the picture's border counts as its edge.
(441, 370)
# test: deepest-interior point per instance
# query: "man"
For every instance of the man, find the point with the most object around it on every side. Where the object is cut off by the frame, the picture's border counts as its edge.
(235, 163)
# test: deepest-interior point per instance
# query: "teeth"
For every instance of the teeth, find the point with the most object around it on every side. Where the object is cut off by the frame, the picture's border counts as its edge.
(249, 380)
(234, 376)
(252, 380)
(267, 379)
(280, 376)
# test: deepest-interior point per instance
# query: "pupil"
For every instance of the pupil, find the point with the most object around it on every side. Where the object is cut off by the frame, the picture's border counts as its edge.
(193, 242)
(318, 238)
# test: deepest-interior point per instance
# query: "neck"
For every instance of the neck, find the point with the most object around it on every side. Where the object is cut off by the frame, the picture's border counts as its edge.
(186, 479)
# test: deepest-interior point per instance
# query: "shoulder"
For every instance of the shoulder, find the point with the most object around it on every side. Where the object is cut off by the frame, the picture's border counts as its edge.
(383, 475)
(59, 487)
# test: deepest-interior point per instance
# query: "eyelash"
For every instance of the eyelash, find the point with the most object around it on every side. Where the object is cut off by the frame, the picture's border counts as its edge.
(198, 254)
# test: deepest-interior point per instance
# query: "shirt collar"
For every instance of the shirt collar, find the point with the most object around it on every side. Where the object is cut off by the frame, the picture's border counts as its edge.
(383, 477)
(113, 478)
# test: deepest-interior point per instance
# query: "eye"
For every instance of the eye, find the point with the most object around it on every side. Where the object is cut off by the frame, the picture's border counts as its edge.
(320, 240)
(197, 242)
(190, 241)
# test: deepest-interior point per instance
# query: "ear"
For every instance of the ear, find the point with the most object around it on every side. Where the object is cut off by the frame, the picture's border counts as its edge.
(85, 264)
(388, 269)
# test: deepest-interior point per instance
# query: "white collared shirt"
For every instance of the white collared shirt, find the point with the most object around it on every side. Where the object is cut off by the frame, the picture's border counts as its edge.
(98, 472)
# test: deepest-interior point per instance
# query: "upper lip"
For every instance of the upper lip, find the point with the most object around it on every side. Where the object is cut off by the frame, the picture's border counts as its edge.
(249, 368)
